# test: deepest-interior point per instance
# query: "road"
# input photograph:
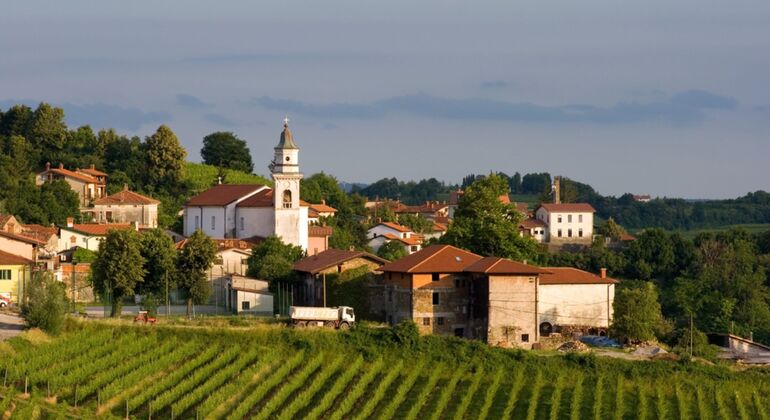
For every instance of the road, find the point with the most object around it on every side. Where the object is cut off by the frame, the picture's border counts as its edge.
(10, 326)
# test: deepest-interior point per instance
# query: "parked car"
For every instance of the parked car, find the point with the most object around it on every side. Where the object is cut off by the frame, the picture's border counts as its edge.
(4, 301)
(599, 341)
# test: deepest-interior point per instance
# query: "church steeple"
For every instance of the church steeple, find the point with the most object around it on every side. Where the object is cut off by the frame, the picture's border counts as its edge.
(287, 142)
(290, 216)
(286, 158)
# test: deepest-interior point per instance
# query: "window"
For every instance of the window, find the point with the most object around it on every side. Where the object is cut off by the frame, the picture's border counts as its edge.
(457, 283)
(218, 260)
(580, 218)
(440, 320)
(390, 296)
(426, 321)
(73, 239)
(213, 222)
(569, 233)
(569, 218)
(436, 299)
(5, 274)
(286, 199)
(197, 223)
(580, 233)
(245, 305)
(414, 248)
(435, 277)
(243, 224)
(525, 338)
(558, 219)
(559, 233)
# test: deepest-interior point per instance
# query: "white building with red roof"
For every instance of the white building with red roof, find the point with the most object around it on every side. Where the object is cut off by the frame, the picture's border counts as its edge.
(126, 207)
(567, 223)
(249, 211)
(87, 235)
(571, 297)
(384, 232)
(90, 184)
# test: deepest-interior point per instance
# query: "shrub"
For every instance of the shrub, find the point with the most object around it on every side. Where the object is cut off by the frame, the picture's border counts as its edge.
(406, 333)
(47, 303)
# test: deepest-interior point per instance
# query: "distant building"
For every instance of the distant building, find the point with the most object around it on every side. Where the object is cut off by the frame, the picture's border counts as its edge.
(14, 271)
(248, 296)
(567, 223)
(87, 235)
(642, 198)
(126, 207)
(330, 262)
(384, 232)
(90, 184)
(454, 201)
(575, 299)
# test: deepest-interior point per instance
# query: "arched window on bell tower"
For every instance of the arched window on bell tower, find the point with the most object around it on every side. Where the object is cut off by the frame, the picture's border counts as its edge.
(287, 199)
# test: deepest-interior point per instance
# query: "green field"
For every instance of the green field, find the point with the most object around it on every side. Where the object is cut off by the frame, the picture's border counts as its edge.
(203, 176)
(108, 371)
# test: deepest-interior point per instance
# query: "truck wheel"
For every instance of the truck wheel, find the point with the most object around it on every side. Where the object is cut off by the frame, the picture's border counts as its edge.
(344, 326)
(301, 324)
(329, 324)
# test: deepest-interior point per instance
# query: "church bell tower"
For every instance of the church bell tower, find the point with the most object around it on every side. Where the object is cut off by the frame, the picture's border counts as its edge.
(286, 177)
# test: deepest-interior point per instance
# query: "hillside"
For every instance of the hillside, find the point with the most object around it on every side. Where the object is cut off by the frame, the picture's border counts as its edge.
(201, 176)
(268, 371)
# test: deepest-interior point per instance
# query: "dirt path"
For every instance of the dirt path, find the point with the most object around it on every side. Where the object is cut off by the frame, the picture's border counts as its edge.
(10, 326)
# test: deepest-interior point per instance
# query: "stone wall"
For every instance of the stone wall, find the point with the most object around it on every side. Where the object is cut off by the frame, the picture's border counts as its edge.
(513, 317)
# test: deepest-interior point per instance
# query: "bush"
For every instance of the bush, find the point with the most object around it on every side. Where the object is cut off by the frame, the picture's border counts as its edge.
(700, 344)
(406, 333)
(47, 304)
(150, 304)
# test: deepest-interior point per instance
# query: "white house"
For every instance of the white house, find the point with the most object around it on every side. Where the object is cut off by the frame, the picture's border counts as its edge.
(248, 296)
(567, 223)
(386, 231)
(572, 297)
(87, 235)
(126, 207)
(247, 211)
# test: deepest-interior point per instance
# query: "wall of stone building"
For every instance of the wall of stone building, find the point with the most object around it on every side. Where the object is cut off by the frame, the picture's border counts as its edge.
(513, 316)
(351, 264)
(390, 303)
(576, 304)
(451, 315)
(144, 215)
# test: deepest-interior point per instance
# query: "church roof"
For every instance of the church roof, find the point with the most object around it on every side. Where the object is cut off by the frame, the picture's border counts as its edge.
(287, 142)
(223, 194)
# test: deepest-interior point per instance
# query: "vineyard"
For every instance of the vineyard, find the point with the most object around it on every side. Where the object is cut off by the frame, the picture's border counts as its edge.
(163, 372)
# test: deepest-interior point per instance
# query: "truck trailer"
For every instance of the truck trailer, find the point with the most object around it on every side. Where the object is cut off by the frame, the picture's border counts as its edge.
(342, 317)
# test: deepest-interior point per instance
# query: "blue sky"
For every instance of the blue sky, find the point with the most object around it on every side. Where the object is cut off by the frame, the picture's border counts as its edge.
(646, 97)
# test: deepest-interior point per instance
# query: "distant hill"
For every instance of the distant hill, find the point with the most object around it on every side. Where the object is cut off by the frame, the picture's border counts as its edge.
(348, 186)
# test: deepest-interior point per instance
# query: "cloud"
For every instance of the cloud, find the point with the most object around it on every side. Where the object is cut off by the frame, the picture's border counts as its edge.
(191, 101)
(764, 109)
(220, 120)
(100, 115)
(495, 84)
(681, 108)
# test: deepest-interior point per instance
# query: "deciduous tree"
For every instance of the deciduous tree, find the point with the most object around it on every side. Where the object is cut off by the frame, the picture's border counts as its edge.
(225, 149)
(193, 260)
(165, 158)
(118, 269)
(636, 312)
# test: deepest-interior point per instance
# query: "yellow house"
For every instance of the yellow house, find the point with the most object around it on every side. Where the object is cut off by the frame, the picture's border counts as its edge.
(13, 270)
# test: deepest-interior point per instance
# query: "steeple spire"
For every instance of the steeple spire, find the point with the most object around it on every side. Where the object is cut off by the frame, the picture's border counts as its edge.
(286, 139)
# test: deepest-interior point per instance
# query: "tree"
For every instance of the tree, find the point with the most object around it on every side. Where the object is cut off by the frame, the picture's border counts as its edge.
(418, 223)
(516, 183)
(47, 303)
(118, 269)
(486, 226)
(272, 260)
(636, 313)
(536, 183)
(159, 263)
(225, 149)
(612, 230)
(165, 159)
(392, 250)
(48, 131)
(193, 260)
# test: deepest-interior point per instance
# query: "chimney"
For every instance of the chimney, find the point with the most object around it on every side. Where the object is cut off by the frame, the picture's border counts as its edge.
(379, 220)
(556, 188)
(47, 166)
(70, 222)
(323, 202)
(92, 166)
(603, 272)
(135, 226)
(352, 248)
(125, 187)
(61, 165)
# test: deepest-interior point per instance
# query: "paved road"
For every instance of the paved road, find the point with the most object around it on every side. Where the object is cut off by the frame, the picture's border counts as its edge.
(10, 326)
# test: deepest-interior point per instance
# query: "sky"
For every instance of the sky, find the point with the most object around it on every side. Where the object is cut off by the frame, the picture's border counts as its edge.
(649, 97)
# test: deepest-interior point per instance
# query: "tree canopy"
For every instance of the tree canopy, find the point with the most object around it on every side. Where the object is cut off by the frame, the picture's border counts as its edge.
(272, 260)
(166, 158)
(193, 260)
(118, 269)
(636, 313)
(225, 149)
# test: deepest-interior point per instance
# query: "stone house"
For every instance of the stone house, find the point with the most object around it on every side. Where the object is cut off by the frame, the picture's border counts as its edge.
(313, 270)
(89, 184)
(126, 207)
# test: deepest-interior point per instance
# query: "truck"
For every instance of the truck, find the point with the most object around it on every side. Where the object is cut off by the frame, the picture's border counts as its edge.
(341, 317)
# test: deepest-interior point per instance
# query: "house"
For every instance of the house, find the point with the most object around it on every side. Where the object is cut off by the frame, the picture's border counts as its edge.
(642, 198)
(246, 211)
(323, 210)
(15, 272)
(89, 184)
(429, 210)
(567, 223)
(534, 229)
(574, 300)
(248, 296)
(87, 235)
(33, 242)
(318, 238)
(436, 231)
(314, 268)
(384, 232)
(126, 207)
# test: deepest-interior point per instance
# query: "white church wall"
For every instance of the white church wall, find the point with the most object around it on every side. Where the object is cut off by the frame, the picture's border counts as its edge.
(257, 221)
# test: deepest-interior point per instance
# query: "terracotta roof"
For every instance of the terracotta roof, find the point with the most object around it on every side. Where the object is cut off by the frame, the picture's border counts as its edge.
(395, 226)
(125, 197)
(223, 194)
(13, 259)
(439, 227)
(92, 171)
(263, 198)
(495, 265)
(427, 207)
(316, 231)
(444, 220)
(532, 223)
(454, 197)
(568, 207)
(433, 259)
(39, 232)
(97, 229)
(504, 199)
(522, 207)
(72, 174)
(330, 258)
(407, 241)
(323, 208)
(625, 237)
(312, 214)
(570, 275)
(22, 238)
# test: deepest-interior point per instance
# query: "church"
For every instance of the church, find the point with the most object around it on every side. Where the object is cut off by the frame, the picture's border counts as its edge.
(253, 212)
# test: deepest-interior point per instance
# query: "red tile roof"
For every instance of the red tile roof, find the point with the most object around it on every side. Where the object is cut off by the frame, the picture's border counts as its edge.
(407, 241)
(315, 231)
(97, 229)
(568, 208)
(323, 208)
(433, 259)
(223, 194)
(570, 275)
(395, 226)
(39, 232)
(13, 259)
(263, 198)
(125, 197)
(439, 227)
(495, 265)
(72, 174)
(330, 258)
(92, 171)
(22, 238)
(532, 223)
